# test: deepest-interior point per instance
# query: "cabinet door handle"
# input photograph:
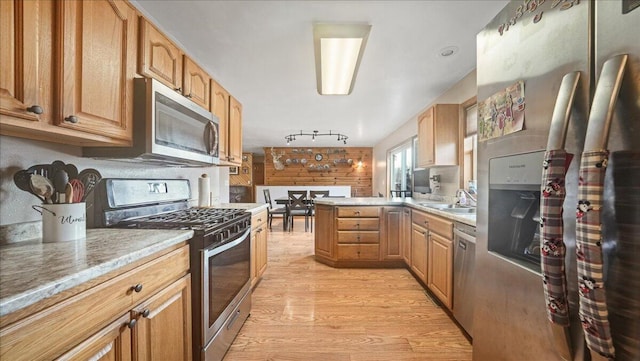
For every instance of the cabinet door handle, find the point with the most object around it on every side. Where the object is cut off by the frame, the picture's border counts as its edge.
(36, 109)
(179, 90)
(71, 119)
(145, 313)
(132, 323)
(188, 96)
(137, 288)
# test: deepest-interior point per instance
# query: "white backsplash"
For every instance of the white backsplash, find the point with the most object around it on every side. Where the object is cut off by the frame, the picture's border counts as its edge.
(17, 153)
(449, 180)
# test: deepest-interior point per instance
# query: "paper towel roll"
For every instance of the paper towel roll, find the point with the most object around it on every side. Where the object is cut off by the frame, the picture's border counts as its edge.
(204, 189)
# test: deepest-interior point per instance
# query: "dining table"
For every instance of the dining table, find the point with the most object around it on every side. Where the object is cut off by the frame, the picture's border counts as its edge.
(285, 200)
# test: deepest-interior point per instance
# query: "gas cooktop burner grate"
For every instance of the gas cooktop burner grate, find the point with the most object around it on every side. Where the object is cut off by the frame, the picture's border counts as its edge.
(192, 218)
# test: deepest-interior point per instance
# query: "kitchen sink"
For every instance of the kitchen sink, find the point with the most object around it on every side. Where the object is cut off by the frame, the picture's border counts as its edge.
(463, 210)
(451, 208)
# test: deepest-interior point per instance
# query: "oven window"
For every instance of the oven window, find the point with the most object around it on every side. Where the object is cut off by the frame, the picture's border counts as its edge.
(228, 273)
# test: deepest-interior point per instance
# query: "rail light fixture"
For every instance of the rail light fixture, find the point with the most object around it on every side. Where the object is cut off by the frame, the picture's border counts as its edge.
(291, 137)
(338, 51)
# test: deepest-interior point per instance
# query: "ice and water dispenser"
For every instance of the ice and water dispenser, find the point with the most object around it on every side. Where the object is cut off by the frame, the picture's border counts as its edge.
(514, 208)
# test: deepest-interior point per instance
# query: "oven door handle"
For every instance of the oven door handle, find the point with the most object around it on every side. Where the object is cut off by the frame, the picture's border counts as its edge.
(209, 252)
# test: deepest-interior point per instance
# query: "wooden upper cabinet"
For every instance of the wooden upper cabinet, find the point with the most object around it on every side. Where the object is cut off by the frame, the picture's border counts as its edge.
(197, 83)
(220, 108)
(97, 66)
(159, 57)
(438, 135)
(26, 28)
(162, 60)
(235, 131)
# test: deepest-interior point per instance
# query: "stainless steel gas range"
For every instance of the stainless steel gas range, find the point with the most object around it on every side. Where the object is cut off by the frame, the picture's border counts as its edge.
(219, 251)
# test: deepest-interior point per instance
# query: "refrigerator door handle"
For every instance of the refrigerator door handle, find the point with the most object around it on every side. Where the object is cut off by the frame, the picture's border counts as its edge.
(604, 101)
(562, 111)
(592, 293)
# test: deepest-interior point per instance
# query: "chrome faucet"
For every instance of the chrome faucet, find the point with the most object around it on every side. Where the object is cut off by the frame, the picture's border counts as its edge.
(465, 198)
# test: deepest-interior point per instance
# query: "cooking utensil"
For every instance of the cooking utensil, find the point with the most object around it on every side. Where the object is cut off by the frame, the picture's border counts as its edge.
(89, 178)
(22, 179)
(71, 170)
(60, 180)
(68, 193)
(42, 186)
(45, 170)
(78, 190)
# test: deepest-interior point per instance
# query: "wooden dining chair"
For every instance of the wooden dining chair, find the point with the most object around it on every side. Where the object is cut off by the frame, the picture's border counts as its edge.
(297, 206)
(312, 205)
(280, 211)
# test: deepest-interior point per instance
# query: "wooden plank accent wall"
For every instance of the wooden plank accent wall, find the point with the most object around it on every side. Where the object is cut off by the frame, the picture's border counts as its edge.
(245, 172)
(340, 173)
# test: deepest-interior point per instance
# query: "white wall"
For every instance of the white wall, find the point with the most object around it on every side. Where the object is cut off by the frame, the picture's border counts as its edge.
(462, 91)
(17, 153)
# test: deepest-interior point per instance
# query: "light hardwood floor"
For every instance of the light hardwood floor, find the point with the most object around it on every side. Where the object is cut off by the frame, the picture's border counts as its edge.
(306, 311)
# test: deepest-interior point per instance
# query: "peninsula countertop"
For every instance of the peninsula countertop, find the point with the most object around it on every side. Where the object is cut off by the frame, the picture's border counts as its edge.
(415, 203)
(31, 271)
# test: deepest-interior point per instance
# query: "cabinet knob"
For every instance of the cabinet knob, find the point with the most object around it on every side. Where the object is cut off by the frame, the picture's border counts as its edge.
(179, 90)
(36, 109)
(188, 95)
(71, 119)
(132, 323)
(137, 287)
(145, 313)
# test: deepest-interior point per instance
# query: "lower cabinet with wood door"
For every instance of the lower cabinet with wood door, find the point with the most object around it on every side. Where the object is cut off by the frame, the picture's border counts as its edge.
(419, 238)
(259, 238)
(141, 314)
(440, 259)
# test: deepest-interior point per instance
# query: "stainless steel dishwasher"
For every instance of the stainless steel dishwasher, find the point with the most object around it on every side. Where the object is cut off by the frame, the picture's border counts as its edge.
(464, 259)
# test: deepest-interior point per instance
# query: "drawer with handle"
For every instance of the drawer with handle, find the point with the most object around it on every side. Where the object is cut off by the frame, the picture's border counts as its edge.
(358, 252)
(358, 237)
(358, 224)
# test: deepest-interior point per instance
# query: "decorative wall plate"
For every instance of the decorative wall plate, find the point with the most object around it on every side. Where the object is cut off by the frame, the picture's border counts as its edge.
(318, 157)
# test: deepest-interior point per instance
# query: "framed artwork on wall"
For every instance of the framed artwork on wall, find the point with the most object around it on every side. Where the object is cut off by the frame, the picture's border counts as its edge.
(233, 170)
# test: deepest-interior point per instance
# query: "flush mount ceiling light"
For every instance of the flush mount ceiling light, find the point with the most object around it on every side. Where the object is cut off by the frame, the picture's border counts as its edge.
(291, 137)
(338, 50)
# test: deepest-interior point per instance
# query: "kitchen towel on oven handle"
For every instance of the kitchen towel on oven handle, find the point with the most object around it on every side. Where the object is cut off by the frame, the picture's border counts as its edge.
(554, 168)
(594, 315)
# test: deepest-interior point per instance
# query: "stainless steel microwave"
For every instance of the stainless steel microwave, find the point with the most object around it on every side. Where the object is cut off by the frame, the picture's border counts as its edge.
(168, 129)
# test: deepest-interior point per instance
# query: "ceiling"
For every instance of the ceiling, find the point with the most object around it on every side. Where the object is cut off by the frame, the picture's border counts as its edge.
(262, 53)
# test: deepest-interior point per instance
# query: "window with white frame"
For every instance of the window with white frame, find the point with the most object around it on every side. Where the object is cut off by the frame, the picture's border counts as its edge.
(400, 167)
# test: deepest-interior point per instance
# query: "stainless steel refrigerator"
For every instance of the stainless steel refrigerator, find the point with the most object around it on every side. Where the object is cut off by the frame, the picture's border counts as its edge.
(536, 43)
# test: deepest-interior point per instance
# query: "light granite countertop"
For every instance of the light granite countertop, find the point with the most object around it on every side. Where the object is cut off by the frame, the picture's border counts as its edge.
(31, 271)
(415, 203)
